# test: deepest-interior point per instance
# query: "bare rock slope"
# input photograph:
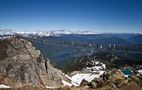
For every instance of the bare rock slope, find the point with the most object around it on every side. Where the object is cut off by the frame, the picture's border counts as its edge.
(21, 64)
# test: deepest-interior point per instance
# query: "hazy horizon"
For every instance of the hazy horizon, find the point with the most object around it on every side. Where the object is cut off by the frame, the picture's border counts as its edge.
(102, 16)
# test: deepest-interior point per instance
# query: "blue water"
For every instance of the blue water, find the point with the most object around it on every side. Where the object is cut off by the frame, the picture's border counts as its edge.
(127, 71)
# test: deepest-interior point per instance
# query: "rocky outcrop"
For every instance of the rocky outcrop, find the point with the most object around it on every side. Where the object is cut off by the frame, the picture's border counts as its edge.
(115, 80)
(21, 64)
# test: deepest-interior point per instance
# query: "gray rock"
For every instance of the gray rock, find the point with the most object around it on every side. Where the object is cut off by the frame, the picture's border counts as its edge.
(21, 64)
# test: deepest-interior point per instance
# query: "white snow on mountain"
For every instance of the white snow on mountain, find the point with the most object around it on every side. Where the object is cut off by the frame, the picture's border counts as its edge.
(77, 79)
(84, 32)
(97, 66)
(57, 32)
(48, 33)
(42, 33)
(6, 32)
(26, 34)
(65, 83)
(4, 86)
(88, 74)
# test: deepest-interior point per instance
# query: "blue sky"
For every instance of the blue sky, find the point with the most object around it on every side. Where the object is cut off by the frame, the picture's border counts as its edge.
(74, 15)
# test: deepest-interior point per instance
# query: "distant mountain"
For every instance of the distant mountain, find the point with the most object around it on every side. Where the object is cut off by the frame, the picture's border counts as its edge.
(42, 33)
(66, 46)
(111, 59)
(136, 39)
(67, 32)
(6, 32)
(112, 40)
(21, 64)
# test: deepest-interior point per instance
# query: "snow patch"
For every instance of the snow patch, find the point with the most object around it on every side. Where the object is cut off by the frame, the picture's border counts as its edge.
(49, 87)
(4, 86)
(77, 79)
(140, 71)
(89, 73)
(66, 83)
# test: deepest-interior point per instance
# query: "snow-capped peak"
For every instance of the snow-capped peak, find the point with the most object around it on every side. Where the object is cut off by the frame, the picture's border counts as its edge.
(43, 33)
(57, 32)
(6, 32)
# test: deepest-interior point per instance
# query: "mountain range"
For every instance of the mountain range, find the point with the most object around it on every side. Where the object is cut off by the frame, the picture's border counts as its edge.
(90, 61)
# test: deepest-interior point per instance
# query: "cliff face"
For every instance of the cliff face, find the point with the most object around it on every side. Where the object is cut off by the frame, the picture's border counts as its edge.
(21, 64)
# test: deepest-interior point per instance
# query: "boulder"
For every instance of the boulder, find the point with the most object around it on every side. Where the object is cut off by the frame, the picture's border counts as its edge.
(84, 83)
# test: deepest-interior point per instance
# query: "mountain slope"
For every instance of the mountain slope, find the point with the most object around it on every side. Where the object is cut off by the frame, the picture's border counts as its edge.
(21, 64)
(136, 39)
